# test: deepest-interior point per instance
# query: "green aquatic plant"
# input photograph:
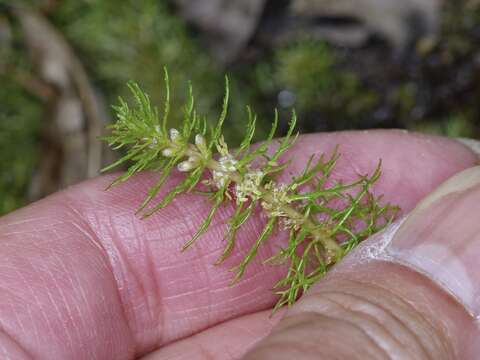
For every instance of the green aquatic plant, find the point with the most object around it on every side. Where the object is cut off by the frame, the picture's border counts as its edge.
(324, 219)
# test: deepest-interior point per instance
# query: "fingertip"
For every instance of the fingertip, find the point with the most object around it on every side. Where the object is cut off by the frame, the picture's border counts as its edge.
(167, 295)
(412, 163)
(473, 145)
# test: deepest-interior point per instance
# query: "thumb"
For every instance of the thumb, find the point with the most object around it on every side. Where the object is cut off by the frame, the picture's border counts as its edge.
(412, 292)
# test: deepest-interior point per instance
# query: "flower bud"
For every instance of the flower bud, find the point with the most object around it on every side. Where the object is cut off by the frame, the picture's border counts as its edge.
(200, 141)
(168, 152)
(194, 159)
(174, 134)
(185, 166)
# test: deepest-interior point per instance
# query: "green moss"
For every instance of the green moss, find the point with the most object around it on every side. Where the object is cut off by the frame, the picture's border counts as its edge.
(19, 128)
(121, 41)
(116, 41)
(404, 99)
(20, 121)
(312, 71)
(126, 40)
(308, 69)
(455, 125)
(460, 20)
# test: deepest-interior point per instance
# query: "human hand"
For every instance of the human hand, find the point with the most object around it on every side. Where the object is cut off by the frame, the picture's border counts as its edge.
(83, 278)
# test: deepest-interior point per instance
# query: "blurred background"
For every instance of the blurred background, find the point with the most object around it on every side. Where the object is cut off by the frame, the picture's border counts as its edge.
(342, 64)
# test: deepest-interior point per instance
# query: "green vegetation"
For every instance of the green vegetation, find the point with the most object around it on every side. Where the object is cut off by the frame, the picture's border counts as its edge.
(324, 220)
(134, 40)
(310, 69)
(457, 125)
(19, 128)
(436, 91)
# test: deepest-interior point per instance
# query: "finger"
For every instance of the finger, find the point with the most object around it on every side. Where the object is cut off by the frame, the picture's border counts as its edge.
(412, 293)
(226, 341)
(82, 276)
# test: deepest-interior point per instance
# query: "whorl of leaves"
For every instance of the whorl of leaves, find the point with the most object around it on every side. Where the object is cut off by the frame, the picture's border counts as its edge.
(324, 219)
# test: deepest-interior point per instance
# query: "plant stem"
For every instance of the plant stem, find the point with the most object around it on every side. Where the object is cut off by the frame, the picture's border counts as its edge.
(333, 251)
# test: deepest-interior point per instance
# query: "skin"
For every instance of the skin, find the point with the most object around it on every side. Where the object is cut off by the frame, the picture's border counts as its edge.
(81, 277)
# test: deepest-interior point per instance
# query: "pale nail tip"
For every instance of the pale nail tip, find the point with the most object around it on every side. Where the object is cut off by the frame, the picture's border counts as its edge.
(462, 181)
(374, 247)
(442, 267)
(435, 262)
(472, 144)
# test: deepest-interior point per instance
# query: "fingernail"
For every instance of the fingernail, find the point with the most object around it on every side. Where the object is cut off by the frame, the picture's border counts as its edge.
(441, 238)
(472, 144)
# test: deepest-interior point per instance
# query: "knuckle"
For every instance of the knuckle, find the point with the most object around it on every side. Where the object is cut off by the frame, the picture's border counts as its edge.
(381, 318)
(313, 335)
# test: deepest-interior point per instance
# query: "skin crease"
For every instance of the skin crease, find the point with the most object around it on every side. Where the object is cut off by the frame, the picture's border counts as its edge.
(81, 277)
